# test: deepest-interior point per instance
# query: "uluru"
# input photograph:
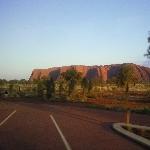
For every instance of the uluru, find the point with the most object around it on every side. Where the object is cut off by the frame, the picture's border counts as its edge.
(105, 72)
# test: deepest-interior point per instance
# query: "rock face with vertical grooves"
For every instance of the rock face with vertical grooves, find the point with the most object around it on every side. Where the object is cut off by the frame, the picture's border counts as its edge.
(105, 72)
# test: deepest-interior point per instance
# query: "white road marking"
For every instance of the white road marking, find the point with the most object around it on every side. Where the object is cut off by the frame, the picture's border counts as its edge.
(61, 134)
(7, 117)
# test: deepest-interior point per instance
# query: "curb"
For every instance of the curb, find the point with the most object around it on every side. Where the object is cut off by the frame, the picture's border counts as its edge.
(139, 139)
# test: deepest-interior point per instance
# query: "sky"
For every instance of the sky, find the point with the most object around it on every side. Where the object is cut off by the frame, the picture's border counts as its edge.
(48, 33)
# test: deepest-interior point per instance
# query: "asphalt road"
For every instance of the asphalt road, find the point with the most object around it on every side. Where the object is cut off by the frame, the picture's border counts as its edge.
(30, 126)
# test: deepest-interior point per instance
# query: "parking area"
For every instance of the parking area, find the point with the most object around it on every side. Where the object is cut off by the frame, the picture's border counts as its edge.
(30, 126)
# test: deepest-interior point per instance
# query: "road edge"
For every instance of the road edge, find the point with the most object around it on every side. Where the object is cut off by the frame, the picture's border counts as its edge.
(141, 140)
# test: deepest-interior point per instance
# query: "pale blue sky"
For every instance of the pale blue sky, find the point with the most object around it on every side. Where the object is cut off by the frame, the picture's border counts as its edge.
(47, 33)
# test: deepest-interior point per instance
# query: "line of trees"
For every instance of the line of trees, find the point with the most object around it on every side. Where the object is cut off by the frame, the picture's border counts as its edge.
(22, 81)
(69, 81)
(65, 85)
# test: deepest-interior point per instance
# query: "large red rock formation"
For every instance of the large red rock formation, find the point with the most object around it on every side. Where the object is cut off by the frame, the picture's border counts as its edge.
(103, 72)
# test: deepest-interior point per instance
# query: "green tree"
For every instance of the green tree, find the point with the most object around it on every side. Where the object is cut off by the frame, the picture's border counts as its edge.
(112, 80)
(126, 76)
(90, 85)
(2, 82)
(23, 81)
(50, 87)
(61, 84)
(71, 85)
(84, 85)
(11, 89)
(13, 81)
(148, 49)
(72, 77)
(40, 88)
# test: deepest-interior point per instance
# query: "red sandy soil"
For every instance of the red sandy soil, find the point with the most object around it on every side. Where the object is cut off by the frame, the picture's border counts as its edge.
(119, 103)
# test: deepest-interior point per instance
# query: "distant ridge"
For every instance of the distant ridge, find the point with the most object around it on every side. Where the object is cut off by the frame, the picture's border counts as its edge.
(105, 72)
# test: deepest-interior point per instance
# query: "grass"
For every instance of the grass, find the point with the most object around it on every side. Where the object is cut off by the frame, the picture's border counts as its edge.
(94, 106)
(108, 97)
(143, 111)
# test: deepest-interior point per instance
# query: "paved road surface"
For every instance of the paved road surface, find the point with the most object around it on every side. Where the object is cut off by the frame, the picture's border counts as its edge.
(33, 127)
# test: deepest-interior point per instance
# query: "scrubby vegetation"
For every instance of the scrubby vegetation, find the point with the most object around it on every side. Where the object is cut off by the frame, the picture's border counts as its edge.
(72, 87)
